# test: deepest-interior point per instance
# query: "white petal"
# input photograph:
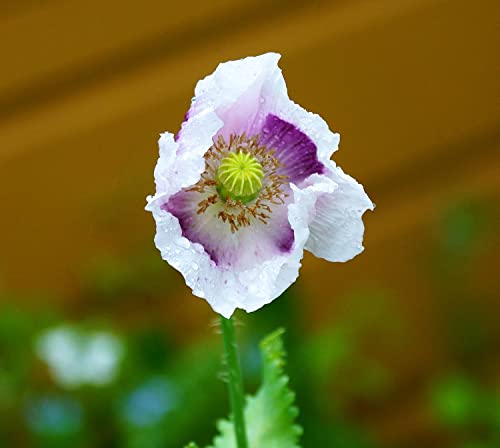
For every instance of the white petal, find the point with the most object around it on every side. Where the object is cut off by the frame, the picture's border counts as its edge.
(337, 228)
(300, 214)
(181, 162)
(241, 250)
(248, 289)
(242, 92)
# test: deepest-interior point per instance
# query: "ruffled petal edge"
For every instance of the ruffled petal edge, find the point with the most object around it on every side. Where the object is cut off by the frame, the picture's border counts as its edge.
(336, 232)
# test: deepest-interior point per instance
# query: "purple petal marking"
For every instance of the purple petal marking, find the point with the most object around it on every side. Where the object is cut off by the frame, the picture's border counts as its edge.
(186, 118)
(286, 239)
(183, 206)
(294, 149)
(276, 237)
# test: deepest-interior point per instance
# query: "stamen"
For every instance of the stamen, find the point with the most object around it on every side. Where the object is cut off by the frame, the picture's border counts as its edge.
(241, 178)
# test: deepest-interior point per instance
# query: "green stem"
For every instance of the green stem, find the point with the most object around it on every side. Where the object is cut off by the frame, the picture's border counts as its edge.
(235, 381)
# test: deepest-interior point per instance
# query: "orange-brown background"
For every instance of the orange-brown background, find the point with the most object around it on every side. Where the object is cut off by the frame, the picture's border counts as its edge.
(87, 86)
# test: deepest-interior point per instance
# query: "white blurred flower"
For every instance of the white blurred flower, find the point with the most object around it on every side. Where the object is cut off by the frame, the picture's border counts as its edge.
(77, 357)
(247, 184)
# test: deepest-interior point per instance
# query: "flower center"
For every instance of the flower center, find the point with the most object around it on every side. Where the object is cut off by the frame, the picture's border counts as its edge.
(241, 181)
(239, 177)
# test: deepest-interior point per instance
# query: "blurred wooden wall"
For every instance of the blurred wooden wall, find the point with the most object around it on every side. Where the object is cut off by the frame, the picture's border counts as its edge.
(87, 86)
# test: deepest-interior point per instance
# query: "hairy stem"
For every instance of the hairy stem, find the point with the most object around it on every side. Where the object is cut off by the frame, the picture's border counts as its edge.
(235, 381)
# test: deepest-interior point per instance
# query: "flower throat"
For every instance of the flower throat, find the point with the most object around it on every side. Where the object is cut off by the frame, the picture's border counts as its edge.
(241, 181)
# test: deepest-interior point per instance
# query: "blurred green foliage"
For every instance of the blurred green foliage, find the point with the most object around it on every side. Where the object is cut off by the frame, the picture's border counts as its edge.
(270, 414)
(163, 394)
(465, 398)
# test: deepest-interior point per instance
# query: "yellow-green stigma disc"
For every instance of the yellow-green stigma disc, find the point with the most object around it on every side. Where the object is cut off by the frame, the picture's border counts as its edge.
(239, 177)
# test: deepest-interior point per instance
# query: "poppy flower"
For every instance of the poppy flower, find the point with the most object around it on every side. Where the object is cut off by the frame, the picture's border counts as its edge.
(247, 184)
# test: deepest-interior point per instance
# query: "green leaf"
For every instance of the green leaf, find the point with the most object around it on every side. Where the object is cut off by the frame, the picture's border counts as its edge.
(192, 445)
(270, 414)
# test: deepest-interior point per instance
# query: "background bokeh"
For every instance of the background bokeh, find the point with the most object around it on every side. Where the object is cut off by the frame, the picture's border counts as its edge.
(101, 343)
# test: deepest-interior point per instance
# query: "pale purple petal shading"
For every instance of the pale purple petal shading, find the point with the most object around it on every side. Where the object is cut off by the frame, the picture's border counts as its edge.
(294, 149)
(186, 118)
(258, 241)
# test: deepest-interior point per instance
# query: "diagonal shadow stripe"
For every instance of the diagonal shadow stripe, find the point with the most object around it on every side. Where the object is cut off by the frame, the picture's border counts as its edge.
(437, 168)
(147, 52)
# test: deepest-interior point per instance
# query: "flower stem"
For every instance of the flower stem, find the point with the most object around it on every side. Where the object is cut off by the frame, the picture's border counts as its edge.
(235, 381)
